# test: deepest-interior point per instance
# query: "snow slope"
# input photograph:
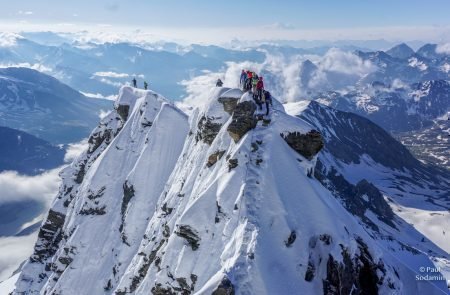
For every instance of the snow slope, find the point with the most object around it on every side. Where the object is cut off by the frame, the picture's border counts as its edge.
(217, 202)
(356, 150)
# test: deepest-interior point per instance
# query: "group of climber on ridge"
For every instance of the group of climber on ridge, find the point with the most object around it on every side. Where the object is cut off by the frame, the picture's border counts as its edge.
(249, 81)
(134, 82)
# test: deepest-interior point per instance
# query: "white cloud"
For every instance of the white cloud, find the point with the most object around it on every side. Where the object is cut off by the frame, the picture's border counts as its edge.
(336, 70)
(16, 187)
(103, 114)
(337, 60)
(20, 12)
(109, 82)
(99, 96)
(9, 39)
(443, 48)
(111, 74)
(74, 150)
(13, 251)
(279, 26)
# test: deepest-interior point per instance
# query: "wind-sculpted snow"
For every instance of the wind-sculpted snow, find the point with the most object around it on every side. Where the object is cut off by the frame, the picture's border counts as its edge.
(166, 204)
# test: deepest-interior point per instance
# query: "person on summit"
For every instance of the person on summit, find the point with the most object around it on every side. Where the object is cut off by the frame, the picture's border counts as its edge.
(267, 98)
(243, 79)
(260, 88)
(255, 80)
(219, 83)
(248, 82)
(145, 85)
(134, 82)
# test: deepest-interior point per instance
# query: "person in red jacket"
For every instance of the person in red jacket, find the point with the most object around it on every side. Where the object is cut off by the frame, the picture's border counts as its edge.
(260, 87)
(248, 82)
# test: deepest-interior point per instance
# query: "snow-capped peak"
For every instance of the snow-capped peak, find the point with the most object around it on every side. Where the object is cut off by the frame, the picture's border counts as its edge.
(222, 202)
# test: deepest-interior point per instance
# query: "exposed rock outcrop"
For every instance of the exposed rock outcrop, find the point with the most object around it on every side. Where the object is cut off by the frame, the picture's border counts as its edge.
(307, 145)
(213, 158)
(354, 275)
(123, 111)
(225, 288)
(128, 193)
(232, 163)
(374, 200)
(49, 236)
(190, 235)
(229, 104)
(356, 198)
(243, 120)
(207, 129)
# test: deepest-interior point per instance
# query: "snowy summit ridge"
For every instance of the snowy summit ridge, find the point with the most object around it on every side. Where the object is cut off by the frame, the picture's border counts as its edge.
(220, 202)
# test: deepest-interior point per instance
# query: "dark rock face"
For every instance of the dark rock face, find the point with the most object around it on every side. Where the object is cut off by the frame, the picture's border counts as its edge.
(225, 288)
(310, 272)
(213, 158)
(49, 237)
(375, 200)
(93, 211)
(232, 163)
(123, 111)
(354, 275)
(97, 138)
(158, 289)
(242, 120)
(356, 198)
(207, 129)
(229, 104)
(81, 172)
(307, 145)
(128, 194)
(190, 235)
(291, 239)
(136, 280)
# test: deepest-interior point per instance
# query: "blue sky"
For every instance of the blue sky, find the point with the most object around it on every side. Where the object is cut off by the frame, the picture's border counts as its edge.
(298, 13)
(285, 15)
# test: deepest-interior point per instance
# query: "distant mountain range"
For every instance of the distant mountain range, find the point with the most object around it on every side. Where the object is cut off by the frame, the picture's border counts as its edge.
(102, 68)
(46, 108)
(407, 92)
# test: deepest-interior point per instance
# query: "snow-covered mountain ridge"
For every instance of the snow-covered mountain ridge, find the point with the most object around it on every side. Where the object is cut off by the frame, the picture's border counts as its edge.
(219, 202)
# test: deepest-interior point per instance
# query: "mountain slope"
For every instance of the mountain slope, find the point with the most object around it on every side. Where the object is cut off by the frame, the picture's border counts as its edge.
(401, 51)
(223, 203)
(24, 153)
(42, 106)
(404, 109)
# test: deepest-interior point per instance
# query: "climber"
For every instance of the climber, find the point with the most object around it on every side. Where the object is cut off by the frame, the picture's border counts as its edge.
(255, 80)
(243, 79)
(134, 82)
(145, 85)
(219, 83)
(248, 82)
(260, 88)
(267, 98)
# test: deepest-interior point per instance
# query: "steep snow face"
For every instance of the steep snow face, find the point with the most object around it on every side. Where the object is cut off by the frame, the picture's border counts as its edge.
(225, 201)
(100, 215)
